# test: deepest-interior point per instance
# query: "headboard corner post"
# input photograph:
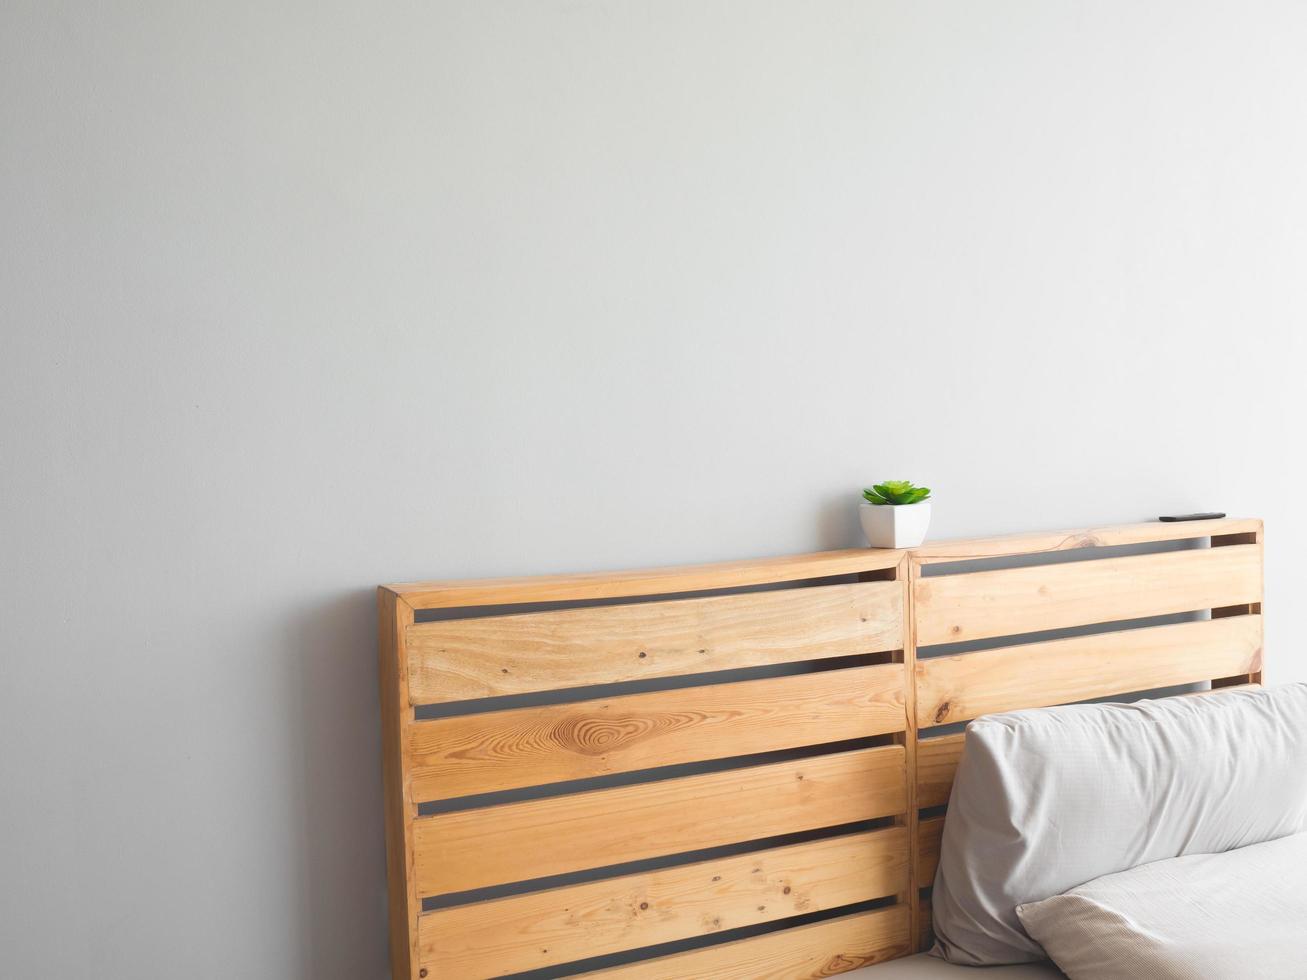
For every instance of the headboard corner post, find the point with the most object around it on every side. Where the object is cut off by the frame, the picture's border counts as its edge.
(394, 616)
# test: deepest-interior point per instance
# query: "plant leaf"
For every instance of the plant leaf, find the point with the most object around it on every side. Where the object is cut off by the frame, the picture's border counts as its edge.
(873, 497)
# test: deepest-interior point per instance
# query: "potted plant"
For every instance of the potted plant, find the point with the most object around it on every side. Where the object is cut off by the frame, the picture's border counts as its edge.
(896, 514)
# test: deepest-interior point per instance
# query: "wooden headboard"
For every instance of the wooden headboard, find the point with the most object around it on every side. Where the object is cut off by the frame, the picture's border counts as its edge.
(728, 771)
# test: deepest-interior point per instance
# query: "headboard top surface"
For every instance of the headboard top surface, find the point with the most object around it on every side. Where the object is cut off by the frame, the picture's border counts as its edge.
(1038, 542)
(455, 593)
(656, 581)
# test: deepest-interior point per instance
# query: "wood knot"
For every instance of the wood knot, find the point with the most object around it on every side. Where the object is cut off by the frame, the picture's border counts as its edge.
(643, 654)
(596, 735)
(785, 890)
(644, 906)
(942, 712)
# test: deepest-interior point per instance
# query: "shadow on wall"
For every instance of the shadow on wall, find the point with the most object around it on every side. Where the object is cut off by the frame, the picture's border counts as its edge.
(340, 864)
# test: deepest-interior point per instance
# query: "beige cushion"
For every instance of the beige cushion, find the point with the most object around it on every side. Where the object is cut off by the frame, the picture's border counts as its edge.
(1232, 916)
(1049, 799)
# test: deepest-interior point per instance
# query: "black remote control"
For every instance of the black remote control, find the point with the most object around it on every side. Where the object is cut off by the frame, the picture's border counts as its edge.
(1170, 518)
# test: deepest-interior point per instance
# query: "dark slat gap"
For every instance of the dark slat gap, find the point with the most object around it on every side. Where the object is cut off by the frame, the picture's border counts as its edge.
(451, 899)
(509, 609)
(1061, 633)
(1067, 556)
(697, 942)
(594, 692)
(431, 808)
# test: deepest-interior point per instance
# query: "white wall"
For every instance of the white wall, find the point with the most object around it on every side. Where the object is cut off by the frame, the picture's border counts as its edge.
(302, 297)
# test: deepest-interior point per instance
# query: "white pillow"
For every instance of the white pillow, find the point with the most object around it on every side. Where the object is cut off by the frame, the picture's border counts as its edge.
(1230, 916)
(1051, 798)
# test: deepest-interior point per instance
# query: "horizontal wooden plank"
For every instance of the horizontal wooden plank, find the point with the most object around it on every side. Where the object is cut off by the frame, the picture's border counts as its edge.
(476, 658)
(811, 952)
(937, 764)
(656, 581)
(542, 929)
(520, 841)
(1033, 675)
(1042, 542)
(530, 746)
(975, 605)
(930, 833)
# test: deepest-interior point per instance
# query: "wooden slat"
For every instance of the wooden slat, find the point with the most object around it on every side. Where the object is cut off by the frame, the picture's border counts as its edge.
(548, 928)
(930, 833)
(976, 605)
(531, 746)
(519, 841)
(1042, 542)
(1033, 675)
(657, 581)
(937, 764)
(909, 571)
(404, 904)
(823, 949)
(476, 658)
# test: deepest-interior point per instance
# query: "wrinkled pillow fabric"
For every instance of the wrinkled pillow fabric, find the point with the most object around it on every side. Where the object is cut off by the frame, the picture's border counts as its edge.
(1231, 916)
(1051, 798)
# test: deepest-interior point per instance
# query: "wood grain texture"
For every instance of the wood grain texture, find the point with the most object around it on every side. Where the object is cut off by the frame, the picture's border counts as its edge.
(930, 834)
(1034, 675)
(520, 841)
(393, 616)
(559, 926)
(532, 746)
(824, 949)
(657, 581)
(937, 764)
(476, 658)
(976, 605)
(1043, 542)
(906, 576)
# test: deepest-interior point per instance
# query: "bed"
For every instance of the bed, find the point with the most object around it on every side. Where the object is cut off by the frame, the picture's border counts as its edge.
(742, 770)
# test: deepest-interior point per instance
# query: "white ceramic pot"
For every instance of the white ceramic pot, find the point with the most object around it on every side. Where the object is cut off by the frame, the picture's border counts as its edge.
(895, 525)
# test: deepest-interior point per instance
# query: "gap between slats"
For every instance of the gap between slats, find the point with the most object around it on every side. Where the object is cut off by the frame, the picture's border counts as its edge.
(507, 750)
(479, 848)
(553, 927)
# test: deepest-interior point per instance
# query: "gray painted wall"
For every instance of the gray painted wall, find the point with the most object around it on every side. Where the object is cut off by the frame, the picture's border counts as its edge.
(301, 297)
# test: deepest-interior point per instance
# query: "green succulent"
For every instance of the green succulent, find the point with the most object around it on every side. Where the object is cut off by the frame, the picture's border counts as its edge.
(896, 492)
